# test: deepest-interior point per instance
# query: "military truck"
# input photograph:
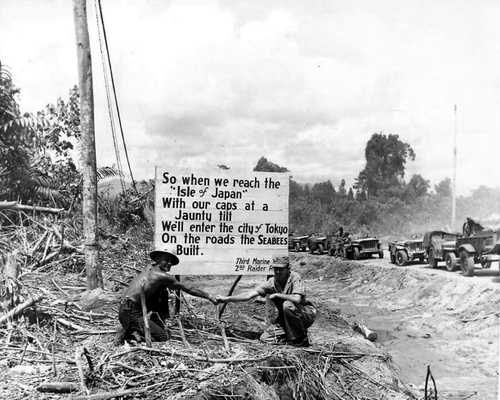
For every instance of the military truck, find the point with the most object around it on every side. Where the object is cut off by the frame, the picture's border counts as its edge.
(318, 242)
(403, 251)
(440, 246)
(357, 248)
(477, 246)
(297, 242)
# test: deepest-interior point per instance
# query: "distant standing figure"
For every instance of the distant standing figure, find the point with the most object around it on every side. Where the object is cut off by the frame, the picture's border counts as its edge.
(156, 281)
(287, 291)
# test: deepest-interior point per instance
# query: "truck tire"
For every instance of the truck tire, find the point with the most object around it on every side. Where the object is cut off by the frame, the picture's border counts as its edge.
(467, 263)
(321, 249)
(355, 254)
(401, 258)
(432, 261)
(451, 262)
(393, 258)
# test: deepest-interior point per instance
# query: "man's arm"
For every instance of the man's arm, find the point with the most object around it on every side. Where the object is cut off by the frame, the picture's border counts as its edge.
(294, 298)
(192, 291)
(239, 297)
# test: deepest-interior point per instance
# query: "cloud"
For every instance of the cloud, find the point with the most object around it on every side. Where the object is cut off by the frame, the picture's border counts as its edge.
(304, 84)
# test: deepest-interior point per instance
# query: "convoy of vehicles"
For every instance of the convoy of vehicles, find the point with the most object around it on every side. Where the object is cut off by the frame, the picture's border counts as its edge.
(475, 248)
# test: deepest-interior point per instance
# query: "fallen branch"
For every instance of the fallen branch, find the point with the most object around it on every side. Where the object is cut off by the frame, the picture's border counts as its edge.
(193, 357)
(47, 246)
(14, 205)
(109, 395)
(118, 393)
(101, 332)
(78, 361)
(69, 324)
(37, 244)
(20, 308)
(363, 374)
(57, 387)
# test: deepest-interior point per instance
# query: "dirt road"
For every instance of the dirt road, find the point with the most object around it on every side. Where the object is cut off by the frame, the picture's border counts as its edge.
(492, 274)
(422, 316)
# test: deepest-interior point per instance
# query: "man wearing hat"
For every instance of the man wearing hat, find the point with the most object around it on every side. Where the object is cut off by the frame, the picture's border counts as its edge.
(286, 290)
(155, 281)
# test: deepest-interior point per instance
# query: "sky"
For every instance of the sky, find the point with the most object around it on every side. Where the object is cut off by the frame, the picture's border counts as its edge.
(304, 84)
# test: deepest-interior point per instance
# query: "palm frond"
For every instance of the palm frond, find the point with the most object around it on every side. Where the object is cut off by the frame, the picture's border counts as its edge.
(106, 172)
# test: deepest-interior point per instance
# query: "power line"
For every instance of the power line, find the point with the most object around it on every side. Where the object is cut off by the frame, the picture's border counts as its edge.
(110, 106)
(114, 93)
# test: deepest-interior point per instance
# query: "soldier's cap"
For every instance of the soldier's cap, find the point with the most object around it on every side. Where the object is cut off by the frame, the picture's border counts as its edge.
(174, 260)
(280, 262)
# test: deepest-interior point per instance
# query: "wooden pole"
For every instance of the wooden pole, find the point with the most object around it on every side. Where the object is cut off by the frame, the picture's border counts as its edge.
(454, 182)
(177, 307)
(87, 149)
(145, 316)
(229, 294)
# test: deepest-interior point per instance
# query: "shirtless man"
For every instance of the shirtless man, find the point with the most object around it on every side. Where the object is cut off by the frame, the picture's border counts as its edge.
(156, 281)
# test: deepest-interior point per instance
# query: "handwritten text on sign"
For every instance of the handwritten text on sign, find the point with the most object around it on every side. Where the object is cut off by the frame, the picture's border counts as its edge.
(220, 222)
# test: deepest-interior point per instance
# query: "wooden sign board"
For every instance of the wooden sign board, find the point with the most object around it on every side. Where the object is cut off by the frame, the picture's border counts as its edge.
(221, 222)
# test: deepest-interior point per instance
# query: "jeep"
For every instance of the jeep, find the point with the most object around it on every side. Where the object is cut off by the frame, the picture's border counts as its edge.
(318, 242)
(364, 247)
(297, 243)
(404, 251)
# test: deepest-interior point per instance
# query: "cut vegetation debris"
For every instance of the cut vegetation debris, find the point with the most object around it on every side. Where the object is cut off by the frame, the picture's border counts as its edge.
(64, 342)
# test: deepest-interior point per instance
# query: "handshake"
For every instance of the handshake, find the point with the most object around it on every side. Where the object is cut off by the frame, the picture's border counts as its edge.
(244, 297)
(218, 299)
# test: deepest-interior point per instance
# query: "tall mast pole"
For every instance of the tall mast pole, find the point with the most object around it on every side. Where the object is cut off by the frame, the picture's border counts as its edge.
(454, 183)
(87, 147)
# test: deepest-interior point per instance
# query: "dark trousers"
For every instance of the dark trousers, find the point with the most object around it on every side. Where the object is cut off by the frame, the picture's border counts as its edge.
(131, 319)
(295, 319)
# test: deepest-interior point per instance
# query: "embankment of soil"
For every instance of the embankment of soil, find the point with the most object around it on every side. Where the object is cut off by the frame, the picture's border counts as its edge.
(446, 321)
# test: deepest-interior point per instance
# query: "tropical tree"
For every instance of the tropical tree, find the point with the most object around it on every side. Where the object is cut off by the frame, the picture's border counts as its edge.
(416, 187)
(324, 192)
(386, 157)
(20, 164)
(267, 166)
(443, 188)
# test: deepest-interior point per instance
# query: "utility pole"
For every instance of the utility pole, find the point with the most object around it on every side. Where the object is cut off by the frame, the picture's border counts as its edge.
(87, 149)
(454, 182)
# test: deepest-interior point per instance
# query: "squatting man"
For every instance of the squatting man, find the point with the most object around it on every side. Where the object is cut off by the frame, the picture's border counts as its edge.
(285, 289)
